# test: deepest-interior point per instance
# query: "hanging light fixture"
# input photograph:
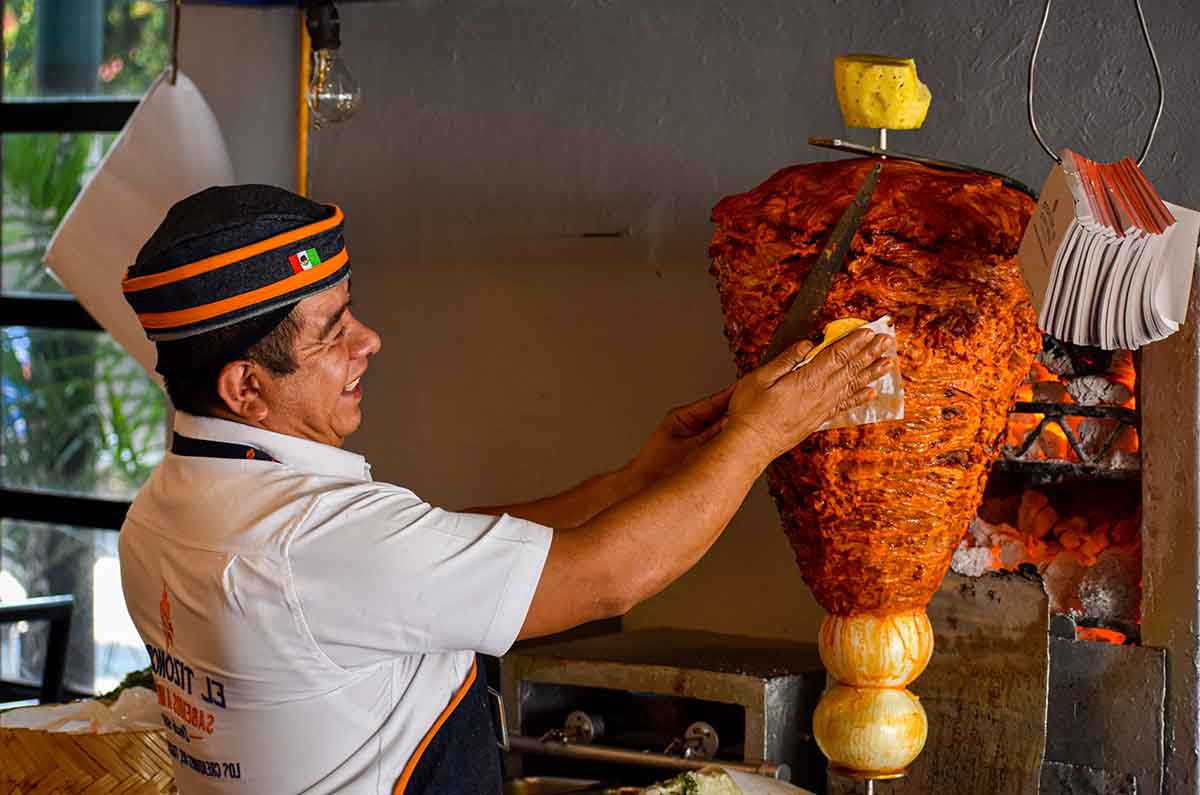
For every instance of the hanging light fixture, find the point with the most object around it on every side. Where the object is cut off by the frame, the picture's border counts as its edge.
(333, 93)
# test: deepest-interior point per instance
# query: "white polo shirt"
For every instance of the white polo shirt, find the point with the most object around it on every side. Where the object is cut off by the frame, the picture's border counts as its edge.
(306, 625)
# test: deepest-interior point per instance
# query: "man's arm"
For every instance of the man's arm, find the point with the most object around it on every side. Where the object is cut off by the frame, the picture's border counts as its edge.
(684, 430)
(638, 546)
(574, 506)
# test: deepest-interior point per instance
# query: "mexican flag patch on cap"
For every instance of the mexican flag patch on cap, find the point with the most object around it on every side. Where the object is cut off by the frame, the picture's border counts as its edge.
(304, 260)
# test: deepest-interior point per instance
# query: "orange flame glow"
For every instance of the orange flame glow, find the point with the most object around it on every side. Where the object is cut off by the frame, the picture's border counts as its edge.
(1100, 635)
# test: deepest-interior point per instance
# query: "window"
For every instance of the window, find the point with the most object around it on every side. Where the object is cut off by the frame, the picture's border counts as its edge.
(81, 425)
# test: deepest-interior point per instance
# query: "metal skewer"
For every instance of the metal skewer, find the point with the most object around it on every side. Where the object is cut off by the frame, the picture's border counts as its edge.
(874, 151)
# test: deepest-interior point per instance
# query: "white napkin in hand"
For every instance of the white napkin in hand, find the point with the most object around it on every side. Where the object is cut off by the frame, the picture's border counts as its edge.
(888, 403)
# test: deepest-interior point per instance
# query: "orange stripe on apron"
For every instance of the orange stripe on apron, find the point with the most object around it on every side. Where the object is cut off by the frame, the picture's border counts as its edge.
(414, 760)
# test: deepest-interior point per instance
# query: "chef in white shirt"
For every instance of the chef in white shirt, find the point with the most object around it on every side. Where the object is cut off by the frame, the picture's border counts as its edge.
(313, 630)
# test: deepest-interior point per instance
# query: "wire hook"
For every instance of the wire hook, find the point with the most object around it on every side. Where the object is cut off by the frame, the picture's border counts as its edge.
(178, 5)
(1037, 44)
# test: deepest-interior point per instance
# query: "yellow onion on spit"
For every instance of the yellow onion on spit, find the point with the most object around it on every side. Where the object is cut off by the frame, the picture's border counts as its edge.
(875, 732)
(876, 651)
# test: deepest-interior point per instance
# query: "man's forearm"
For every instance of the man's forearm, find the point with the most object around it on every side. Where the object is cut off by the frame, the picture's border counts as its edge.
(662, 531)
(576, 505)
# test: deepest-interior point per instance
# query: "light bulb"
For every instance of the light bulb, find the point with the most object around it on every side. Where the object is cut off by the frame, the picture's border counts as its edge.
(333, 93)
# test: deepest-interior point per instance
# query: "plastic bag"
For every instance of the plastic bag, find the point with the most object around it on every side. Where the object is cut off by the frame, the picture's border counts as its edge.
(135, 710)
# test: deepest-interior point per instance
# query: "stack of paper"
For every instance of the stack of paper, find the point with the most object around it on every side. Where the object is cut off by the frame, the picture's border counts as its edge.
(1108, 262)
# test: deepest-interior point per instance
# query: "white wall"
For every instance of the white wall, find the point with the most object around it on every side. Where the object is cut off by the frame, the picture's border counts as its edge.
(245, 60)
(520, 356)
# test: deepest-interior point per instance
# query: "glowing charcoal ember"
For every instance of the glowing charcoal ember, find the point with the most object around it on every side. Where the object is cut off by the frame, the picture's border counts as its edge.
(1094, 435)
(1111, 587)
(1096, 390)
(1061, 579)
(971, 561)
(1057, 361)
(1099, 635)
(1050, 392)
(1089, 560)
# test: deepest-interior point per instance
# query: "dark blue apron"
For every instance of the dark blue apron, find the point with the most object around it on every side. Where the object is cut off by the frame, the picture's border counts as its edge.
(458, 755)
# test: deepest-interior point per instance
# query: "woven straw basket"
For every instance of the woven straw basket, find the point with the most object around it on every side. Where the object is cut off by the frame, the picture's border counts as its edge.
(39, 763)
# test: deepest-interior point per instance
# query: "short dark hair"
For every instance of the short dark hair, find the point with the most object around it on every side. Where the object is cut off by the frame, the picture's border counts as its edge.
(190, 366)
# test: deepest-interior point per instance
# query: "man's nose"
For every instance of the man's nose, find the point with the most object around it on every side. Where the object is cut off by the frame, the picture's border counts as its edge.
(366, 341)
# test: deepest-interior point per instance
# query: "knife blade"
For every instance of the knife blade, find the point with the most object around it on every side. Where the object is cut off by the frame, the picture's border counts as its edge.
(892, 154)
(800, 317)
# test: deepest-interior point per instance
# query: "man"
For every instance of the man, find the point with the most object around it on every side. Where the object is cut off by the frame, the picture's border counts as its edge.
(311, 630)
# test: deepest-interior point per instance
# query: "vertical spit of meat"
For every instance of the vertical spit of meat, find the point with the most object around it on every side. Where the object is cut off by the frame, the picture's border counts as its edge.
(874, 512)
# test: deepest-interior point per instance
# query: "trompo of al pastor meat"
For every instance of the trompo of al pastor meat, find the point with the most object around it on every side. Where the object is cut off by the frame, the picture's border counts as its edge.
(874, 512)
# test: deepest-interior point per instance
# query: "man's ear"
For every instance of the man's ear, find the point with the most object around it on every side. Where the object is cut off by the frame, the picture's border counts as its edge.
(240, 389)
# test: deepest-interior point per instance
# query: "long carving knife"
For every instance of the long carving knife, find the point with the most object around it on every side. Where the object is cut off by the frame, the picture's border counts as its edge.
(800, 317)
(892, 154)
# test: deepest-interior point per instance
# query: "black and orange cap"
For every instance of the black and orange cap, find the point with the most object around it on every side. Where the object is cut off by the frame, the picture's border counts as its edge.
(231, 253)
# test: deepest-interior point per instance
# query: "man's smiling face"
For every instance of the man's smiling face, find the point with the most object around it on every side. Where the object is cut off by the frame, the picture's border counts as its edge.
(320, 400)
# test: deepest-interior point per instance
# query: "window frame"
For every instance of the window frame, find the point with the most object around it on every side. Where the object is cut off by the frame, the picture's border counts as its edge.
(57, 312)
(33, 115)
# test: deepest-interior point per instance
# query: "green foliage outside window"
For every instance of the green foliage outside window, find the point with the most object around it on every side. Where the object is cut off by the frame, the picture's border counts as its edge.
(78, 413)
(133, 46)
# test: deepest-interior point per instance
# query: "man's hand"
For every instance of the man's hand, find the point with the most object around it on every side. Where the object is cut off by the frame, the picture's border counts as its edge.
(682, 432)
(778, 403)
(639, 545)
(781, 403)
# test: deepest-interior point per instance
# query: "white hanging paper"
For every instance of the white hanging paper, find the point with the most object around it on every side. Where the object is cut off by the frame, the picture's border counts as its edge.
(1106, 261)
(170, 148)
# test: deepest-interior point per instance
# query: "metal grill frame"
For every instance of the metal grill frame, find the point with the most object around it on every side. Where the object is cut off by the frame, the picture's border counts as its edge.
(1087, 466)
(1056, 470)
